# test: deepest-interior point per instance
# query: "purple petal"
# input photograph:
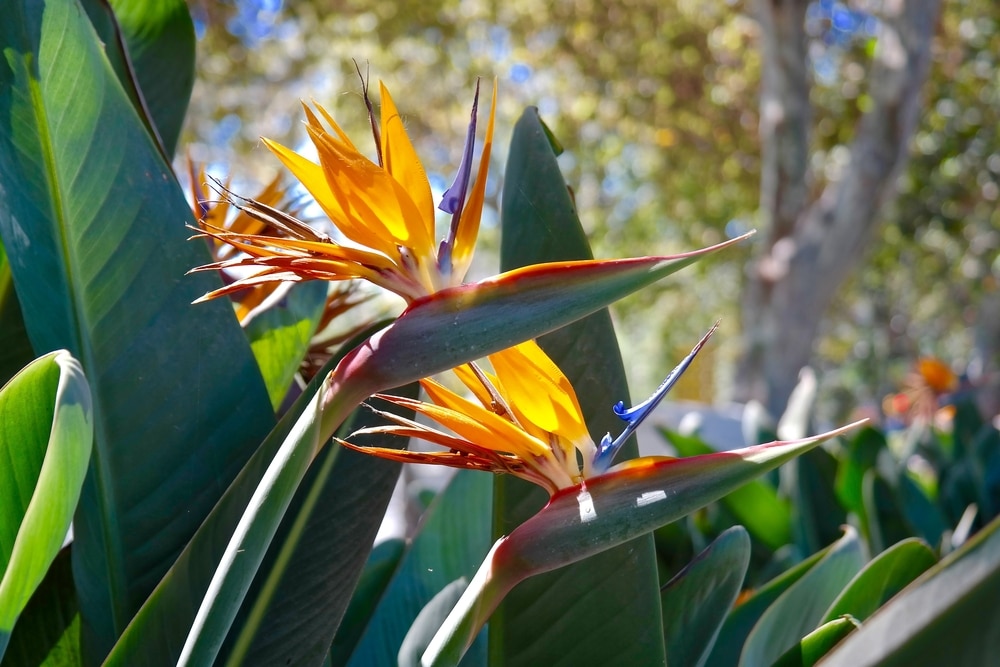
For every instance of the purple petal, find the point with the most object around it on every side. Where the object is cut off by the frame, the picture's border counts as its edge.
(454, 197)
(608, 448)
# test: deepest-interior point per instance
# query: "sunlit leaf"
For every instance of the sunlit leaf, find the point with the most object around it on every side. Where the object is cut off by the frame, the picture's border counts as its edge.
(280, 335)
(46, 433)
(48, 632)
(92, 220)
(160, 39)
(817, 643)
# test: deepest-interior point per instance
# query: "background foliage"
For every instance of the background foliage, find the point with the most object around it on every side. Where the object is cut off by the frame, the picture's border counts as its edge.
(661, 100)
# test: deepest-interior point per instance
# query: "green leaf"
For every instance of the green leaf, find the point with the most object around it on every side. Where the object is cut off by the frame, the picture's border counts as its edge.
(150, 45)
(453, 538)
(427, 622)
(305, 584)
(818, 643)
(612, 595)
(886, 524)
(756, 505)
(946, 617)
(818, 515)
(46, 433)
(48, 632)
(860, 454)
(379, 570)
(696, 601)
(156, 634)
(881, 579)
(800, 609)
(920, 511)
(744, 617)
(159, 35)
(92, 220)
(15, 348)
(280, 335)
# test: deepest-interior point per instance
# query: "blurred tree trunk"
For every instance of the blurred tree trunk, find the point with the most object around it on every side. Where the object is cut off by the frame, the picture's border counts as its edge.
(815, 233)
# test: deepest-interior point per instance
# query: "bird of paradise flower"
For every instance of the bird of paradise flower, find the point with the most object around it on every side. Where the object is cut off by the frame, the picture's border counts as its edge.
(526, 421)
(386, 208)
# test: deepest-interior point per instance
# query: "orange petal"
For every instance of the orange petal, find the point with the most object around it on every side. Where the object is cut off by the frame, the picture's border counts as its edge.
(400, 159)
(539, 391)
(477, 424)
(377, 211)
(312, 178)
(313, 121)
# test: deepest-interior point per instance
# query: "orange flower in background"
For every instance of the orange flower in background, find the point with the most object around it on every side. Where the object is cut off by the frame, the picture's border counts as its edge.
(936, 375)
(923, 388)
(384, 208)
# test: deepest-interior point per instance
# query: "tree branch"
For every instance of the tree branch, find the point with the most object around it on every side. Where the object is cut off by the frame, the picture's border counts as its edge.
(813, 247)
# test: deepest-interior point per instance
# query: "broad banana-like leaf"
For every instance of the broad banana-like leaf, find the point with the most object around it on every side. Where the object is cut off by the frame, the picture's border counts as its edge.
(92, 220)
(150, 45)
(604, 609)
(801, 608)
(375, 578)
(946, 617)
(46, 433)
(697, 600)
(601, 513)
